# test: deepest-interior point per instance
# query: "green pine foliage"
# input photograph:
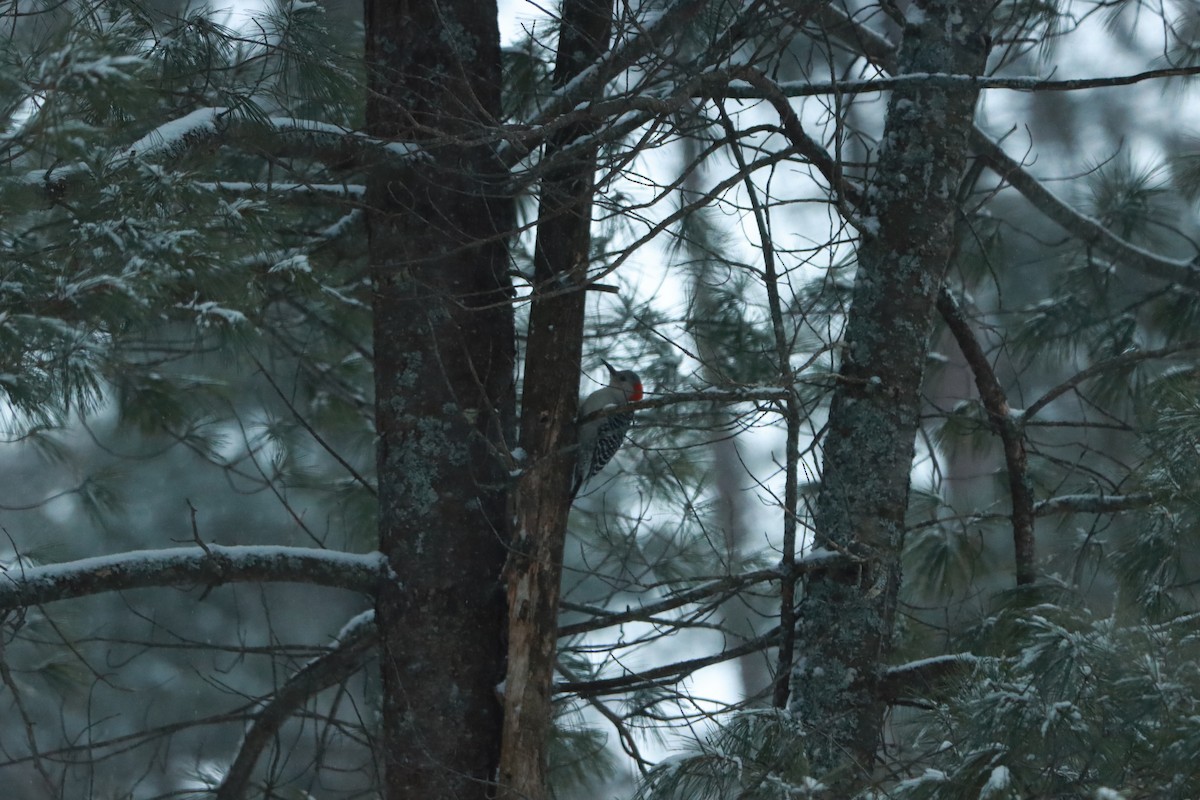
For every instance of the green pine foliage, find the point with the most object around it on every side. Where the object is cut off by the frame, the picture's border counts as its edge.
(1083, 705)
(167, 217)
(755, 755)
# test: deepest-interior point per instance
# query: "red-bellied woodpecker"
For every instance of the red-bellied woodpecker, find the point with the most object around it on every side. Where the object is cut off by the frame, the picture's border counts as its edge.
(601, 438)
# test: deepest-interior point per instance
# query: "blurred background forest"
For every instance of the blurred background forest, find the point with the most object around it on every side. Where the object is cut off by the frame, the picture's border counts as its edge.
(185, 356)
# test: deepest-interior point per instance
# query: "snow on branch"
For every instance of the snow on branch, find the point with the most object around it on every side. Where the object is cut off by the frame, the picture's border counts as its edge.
(342, 191)
(336, 133)
(1093, 503)
(218, 125)
(171, 138)
(209, 565)
(919, 676)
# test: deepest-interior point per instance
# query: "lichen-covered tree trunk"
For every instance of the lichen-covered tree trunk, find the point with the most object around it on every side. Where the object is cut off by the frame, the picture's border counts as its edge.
(548, 410)
(444, 366)
(844, 632)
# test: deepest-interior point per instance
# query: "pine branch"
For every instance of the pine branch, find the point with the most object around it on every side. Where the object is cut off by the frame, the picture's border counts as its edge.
(1090, 231)
(211, 127)
(283, 189)
(1062, 504)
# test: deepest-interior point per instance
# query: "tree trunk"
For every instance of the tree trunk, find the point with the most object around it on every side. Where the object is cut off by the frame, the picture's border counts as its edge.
(444, 359)
(846, 616)
(550, 399)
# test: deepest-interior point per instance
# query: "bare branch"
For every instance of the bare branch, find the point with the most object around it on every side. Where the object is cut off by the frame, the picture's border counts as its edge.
(10, 683)
(1007, 426)
(355, 641)
(665, 674)
(721, 588)
(1088, 230)
(1021, 84)
(628, 743)
(588, 83)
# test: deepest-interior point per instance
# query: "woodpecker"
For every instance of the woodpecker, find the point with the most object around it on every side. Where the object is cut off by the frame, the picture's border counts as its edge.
(601, 438)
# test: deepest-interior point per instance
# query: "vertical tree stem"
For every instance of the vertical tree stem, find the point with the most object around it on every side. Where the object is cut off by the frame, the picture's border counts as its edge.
(549, 407)
(845, 625)
(444, 347)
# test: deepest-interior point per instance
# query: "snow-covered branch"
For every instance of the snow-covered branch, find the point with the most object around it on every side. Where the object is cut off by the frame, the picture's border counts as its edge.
(1093, 503)
(923, 674)
(341, 191)
(208, 565)
(217, 125)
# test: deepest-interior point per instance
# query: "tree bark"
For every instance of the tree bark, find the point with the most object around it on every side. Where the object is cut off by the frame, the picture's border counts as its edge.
(846, 616)
(550, 399)
(444, 358)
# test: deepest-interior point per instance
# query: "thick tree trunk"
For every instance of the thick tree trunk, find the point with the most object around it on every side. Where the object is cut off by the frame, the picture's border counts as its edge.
(548, 410)
(846, 616)
(444, 360)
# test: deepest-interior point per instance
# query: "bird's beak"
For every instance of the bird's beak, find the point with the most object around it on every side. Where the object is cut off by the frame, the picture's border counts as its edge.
(610, 367)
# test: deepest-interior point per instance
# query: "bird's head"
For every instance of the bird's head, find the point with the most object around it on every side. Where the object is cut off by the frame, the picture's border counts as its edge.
(625, 380)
